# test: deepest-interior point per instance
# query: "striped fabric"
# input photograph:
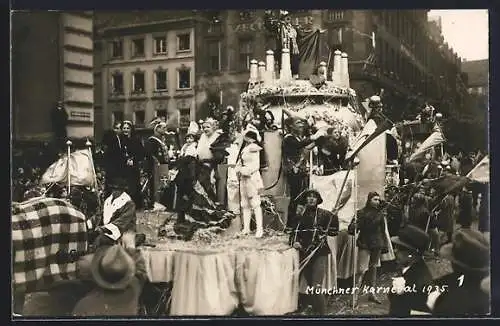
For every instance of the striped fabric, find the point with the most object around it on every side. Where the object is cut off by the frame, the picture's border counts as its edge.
(44, 229)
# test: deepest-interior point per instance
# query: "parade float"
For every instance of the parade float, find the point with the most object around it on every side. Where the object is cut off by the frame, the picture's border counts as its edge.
(218, 271)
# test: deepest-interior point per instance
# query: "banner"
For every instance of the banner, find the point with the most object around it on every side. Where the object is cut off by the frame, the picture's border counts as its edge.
(434, 139)
(81, 171)
(369, 133)
(481, 172)
(329, 187)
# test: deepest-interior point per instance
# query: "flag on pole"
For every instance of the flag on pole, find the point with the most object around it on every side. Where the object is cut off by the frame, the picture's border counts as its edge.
(449, 183)
(481, 172)
(369, 133)
(434, 139)
(81, 169)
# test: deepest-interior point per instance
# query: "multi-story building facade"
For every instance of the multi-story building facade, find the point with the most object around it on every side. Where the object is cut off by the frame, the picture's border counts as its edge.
(52, 61)
(144, 70)
(399, 51)
(389, 49)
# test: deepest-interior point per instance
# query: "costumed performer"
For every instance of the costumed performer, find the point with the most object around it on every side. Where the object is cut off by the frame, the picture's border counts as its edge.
(247, 169)
(370, 223)
(295, 158)
(186, 175)
(314, 224)
(156, 163)
(133, 153)
(209, 156)
(332, 150)
(118, 221)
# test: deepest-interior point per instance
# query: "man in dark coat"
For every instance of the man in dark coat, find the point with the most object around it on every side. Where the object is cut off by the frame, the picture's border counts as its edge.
(114, 162)
(156, 161)
(465, 209)
(461, 294)
(59, 118)
(409, 246)
(309, 237)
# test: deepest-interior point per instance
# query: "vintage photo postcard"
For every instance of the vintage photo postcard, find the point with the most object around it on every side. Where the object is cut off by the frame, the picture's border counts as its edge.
(304, 163)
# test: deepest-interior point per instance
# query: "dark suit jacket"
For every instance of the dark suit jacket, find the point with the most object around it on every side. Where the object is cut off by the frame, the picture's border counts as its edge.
(401, 305)
(461, 300)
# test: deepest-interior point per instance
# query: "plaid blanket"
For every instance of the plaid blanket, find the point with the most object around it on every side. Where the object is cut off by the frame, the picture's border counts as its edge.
(43, 231)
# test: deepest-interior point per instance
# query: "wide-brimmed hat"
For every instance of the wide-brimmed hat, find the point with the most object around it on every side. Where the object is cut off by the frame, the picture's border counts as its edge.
(99, 302)
(470, 250)
(112, 268)
(412, 238)
(302, 196)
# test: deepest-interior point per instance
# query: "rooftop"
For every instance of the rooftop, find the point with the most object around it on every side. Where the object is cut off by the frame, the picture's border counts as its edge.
(477, 72)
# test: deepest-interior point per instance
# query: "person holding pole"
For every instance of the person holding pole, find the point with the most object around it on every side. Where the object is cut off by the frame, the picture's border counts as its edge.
(309, 237)
(370, 223)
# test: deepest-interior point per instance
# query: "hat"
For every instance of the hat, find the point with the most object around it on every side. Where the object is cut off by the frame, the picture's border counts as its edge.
(112, 268)
(127, 122)
(470, 250)
(118, 183)
(193, 129)
(302, 196)
(413, 238)
(157, 123)
(374, 101)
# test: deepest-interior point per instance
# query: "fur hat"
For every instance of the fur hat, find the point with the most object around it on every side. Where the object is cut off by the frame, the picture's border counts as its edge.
(112, 268)
(301, 198)
(470, 250)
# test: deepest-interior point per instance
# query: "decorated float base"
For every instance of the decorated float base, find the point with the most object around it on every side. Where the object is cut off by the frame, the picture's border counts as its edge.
(215, 275)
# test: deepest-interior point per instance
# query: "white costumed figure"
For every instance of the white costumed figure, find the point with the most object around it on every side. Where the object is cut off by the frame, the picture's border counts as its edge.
(247, 169)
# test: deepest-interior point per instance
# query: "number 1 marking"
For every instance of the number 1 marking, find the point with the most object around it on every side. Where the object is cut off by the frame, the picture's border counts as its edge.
(460, 280)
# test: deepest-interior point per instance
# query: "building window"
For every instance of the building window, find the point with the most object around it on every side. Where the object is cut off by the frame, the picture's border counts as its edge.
(138, 82)
(116, 116)
(246, 52)
(162, 113)
(117, 49)
(138, 47)
(214, 55)
(139, 118)
(184, 78)
(160, 80)
(184, 117)
(184, 42)
(160, 45)
(117, 83)
(246, 15)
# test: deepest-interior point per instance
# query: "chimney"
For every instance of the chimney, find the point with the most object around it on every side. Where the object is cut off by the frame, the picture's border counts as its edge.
(286, 68)
(269, 77)
(262, 71)
(344, 70)
(254, 73)
(336, 68)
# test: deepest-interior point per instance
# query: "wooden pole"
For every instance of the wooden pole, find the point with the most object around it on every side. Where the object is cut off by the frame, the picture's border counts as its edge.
(68, 144)
(89, 146)
(355, 249)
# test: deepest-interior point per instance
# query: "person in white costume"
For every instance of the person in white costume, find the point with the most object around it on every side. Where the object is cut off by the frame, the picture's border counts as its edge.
(247, 169)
